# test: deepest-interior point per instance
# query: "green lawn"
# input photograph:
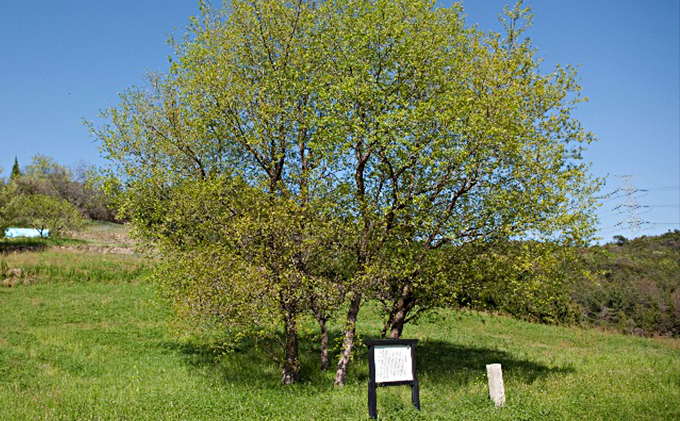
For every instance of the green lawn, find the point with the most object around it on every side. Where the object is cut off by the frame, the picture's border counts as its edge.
(98, 347)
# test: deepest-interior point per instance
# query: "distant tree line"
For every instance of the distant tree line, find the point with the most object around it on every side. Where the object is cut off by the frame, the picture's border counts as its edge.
(634, 285)
(48, 196)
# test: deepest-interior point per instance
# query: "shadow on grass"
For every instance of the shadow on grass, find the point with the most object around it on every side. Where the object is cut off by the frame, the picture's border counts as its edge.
(23, 245)
(10, 245)
(438, 363)
(248, 364)
(442, 362)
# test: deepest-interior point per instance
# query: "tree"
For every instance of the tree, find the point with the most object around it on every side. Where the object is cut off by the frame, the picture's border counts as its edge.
(369, 147)
(16, 173)
(620, 240)
(47, 177)
(42, 213)
(5, 196)
(531, 280)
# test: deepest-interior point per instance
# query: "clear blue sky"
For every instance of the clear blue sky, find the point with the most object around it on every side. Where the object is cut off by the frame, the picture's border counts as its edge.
(63, 61)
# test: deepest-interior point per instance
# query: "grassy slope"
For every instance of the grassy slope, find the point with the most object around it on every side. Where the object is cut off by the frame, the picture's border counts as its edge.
(85, 347)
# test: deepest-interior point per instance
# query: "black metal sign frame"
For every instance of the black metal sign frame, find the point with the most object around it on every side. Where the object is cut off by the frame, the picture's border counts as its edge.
(373, 385)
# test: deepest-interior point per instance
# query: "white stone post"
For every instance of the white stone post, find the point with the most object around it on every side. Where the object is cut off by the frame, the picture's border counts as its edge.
(496, 389)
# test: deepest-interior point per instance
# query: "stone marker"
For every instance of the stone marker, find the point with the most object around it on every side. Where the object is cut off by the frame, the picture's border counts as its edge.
(496, 389)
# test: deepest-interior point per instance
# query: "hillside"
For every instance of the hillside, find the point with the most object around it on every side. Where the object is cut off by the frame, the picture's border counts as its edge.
(637, 285)
(86, 338)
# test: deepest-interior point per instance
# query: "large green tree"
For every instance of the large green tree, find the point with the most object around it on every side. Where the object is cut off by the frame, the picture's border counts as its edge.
(364, 147)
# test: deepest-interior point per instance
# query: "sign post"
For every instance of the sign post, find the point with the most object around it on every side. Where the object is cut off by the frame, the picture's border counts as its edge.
(391, 362)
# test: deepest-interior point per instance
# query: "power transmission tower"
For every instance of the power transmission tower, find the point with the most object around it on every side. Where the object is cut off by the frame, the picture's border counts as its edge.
(634, 222)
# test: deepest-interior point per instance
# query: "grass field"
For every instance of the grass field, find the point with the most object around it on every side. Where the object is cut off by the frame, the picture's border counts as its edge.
(86, 339)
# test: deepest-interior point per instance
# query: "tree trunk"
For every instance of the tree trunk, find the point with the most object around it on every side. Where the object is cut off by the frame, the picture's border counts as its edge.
(398, 324)
(388, 322)
(291, 362)
(387, 325)
(399, 312)
(324, 344)
(321, 318)
(348, 341)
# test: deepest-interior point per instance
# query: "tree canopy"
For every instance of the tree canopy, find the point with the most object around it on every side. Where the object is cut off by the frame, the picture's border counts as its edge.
(299, 154)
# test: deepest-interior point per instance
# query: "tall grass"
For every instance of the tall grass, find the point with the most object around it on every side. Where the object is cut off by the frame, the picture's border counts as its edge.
(59, 266)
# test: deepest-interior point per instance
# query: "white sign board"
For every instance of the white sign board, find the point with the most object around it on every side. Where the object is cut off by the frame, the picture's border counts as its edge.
(393, 363)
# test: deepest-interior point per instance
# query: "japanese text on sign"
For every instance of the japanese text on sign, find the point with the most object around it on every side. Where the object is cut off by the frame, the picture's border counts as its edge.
(393, 364)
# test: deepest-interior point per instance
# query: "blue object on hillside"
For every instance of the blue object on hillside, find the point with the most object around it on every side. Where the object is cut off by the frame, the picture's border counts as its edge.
(26, 232)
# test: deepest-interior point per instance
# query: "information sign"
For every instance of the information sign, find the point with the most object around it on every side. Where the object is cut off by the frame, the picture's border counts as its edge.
(391, 362)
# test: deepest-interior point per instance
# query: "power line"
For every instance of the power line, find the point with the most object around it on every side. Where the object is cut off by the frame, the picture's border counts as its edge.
(632, 208)
(665, 188)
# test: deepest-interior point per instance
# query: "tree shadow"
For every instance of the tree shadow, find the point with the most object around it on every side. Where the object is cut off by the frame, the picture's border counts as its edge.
(437, 363)
(442, 362)
(27, 245)
(249, 363)
(22, 245)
